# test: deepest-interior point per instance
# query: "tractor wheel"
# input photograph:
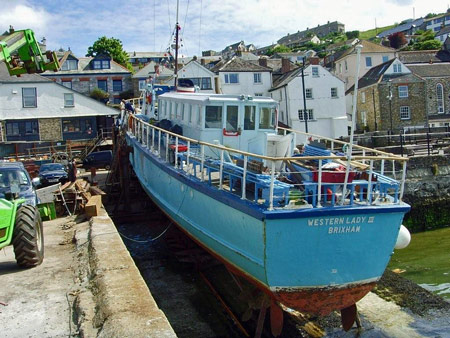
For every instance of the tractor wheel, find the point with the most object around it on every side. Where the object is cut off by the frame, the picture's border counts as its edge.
(28, 237)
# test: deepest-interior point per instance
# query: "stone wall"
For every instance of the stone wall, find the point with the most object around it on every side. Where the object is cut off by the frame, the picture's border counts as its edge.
(431, 94)
(50, 129)
(368, 102)
(427, 190)
(391, 109)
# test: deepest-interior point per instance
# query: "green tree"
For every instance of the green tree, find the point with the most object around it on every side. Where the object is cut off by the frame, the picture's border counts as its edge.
(352, 34)
(278, 49)
(111, 46)
(425, 41)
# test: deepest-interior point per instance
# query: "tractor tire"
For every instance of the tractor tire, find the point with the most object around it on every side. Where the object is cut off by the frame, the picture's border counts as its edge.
(28, 237)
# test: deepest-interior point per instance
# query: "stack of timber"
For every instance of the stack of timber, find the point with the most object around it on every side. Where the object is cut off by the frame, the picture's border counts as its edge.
(78, 197)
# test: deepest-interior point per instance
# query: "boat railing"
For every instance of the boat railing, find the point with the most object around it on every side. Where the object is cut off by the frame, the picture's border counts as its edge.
(284, 182)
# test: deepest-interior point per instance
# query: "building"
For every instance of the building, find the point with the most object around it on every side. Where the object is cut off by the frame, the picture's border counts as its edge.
(35, 111)
(161, 75)
(324, 96)
(202, 77)
(436, 23)
(372, 55)
(295, 57)
(390, 98)
(86, 73)
(320, 31)
(443, 34)
(144, 58)
(237, 76)
(407, 28)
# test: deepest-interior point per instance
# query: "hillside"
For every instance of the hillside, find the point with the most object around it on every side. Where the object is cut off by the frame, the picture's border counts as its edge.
(371, 33)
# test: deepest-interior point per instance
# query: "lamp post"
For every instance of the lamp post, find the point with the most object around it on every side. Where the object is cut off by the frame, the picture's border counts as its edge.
(305, 113)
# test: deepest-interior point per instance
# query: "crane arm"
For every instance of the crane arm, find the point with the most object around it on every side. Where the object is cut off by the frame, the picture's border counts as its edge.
(22, 54)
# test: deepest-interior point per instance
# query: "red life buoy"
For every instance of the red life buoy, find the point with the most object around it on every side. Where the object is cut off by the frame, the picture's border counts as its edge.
(230, 133)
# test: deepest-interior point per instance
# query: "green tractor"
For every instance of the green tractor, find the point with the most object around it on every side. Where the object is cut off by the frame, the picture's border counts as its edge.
(20, 221)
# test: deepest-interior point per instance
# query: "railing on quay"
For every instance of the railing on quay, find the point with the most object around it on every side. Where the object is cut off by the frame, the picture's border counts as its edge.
(159, 141)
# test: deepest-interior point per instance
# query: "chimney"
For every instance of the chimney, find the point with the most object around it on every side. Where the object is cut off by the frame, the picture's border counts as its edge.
(262, 62)
(285, 65)
(314, 60)
(202, 62)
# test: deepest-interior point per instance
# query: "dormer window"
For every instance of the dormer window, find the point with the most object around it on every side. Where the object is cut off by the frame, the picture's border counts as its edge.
(397, 68)
(101, 64)
(70, 65)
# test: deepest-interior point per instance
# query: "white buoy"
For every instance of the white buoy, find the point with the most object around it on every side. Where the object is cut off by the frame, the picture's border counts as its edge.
(403, 238)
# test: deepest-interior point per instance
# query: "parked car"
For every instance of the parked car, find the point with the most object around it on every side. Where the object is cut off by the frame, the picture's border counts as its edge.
(99, 159)
(52, 173)
(15, 179)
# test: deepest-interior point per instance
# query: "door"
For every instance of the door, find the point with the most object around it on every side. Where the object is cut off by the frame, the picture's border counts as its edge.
(232, 128)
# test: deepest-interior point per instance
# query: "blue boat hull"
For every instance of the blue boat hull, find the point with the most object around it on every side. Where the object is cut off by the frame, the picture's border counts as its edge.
(334, 254)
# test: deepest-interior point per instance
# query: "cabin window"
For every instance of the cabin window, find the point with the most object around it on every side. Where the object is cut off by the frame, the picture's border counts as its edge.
(198, 110)
(189, 114)
(266, 118)
(232, 118)
(213, 117)
(249, 117)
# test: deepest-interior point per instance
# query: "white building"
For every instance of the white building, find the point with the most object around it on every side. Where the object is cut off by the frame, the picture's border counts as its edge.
(200, 76)
(36, 110)
(325, 101)
(238, 76)
(372, 55)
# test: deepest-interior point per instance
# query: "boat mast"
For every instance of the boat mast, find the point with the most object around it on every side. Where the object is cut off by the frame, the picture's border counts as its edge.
(177, 28)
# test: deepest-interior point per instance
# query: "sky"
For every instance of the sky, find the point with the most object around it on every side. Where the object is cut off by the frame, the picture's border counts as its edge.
(146, 26)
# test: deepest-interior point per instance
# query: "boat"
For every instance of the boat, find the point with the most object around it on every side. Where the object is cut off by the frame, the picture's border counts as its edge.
(310, 221)
(314, 229)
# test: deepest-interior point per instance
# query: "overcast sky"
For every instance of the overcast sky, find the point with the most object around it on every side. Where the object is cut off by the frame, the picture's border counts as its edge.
(148, 25)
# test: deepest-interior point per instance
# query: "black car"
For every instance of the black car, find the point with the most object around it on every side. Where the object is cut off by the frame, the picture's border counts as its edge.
(99, 159)
(14, 178)
(52, 173)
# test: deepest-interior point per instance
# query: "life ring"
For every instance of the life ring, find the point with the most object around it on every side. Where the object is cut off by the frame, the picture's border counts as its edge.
(230, 133)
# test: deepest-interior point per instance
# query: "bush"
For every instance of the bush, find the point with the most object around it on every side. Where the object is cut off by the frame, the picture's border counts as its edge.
(99, 94)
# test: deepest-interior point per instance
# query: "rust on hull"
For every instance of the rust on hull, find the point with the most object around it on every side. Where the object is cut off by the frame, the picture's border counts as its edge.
(322, 301)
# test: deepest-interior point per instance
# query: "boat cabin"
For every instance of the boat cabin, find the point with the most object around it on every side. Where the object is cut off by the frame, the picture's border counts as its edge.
(241, 122)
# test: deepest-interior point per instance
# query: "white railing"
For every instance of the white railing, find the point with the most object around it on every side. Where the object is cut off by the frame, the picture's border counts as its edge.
(317, 190)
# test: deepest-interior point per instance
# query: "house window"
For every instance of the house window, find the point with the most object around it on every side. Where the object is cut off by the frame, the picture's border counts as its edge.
(308, 93)
(440, 98)
(363, 97)
(68, 100)
(213, 117)
(29, 98)
(404, 113)
(141, 84)
(12, 129)
(397, 68)
(368, 61)
(31, 127)
(345, 64)
(301, 116)
(67, 84)
(70, 65)
(257, 77)
(385, 58)
(340, 68)
(117, 85)
(364, 118)
(334, 92)
(105, 64)
(258, 94)
(103, 85)
(71, 126)
(206, 83)
(232, 78)
(266, 118)
(315, 71)
(402, 91)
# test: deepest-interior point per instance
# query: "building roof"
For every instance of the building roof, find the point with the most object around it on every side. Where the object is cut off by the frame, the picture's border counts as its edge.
(402, 28)
(368, 47)
(133, 55)
(237, 64)
(444, 30)
(286, 78)
(24, 78)
(431, 70)
(424, 56)
(149, 70)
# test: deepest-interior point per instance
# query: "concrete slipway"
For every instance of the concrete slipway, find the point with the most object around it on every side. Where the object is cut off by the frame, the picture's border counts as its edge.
(88, 286)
